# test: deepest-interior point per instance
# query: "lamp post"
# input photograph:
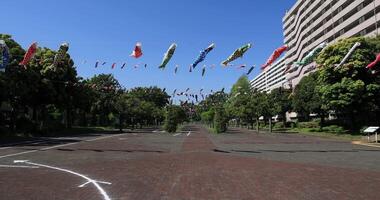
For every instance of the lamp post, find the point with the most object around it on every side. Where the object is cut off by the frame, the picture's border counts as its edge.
(374, 13)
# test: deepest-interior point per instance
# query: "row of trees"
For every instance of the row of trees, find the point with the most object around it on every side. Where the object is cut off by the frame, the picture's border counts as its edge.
(42, 97)
(351, 92)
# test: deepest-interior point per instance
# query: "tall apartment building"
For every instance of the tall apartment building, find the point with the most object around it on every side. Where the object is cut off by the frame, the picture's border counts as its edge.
(273, 77)
(311, 22)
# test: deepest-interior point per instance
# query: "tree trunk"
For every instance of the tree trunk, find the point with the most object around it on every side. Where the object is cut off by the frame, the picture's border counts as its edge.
(270, 124)
(284, 120)
(257, 125)
(68, 117)
(322, 123)
(120, 123)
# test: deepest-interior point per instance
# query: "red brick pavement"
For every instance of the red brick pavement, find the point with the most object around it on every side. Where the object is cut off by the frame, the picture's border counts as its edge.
(197, 172)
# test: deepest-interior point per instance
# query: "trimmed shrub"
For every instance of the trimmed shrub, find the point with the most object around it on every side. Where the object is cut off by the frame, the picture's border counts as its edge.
(220, 120)
(312, 124)
(334, 129)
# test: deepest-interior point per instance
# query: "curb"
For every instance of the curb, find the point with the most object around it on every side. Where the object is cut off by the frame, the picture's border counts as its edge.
(377, 145)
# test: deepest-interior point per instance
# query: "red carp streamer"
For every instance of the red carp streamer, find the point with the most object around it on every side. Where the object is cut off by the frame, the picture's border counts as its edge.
(374, 63)
(137, 53)
(29, 54)
(275, 55)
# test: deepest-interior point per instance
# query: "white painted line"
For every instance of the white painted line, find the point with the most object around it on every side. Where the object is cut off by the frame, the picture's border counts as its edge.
(177, 134)
(368, 145)
(89, 180)
(57, 146)
(16, 154)
(102, 182)
(12, 145)
(101, 138)
(188, 134)
(18, 166)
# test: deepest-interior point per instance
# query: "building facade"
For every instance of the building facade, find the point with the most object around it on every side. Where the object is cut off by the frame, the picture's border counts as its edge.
(273, 77)
(311, 22)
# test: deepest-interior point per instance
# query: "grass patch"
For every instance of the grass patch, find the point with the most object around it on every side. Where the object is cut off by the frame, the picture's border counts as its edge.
(324, 134)
(209, 129)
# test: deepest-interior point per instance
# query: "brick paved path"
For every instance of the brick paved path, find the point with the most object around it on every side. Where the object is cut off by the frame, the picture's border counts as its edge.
(198, 165)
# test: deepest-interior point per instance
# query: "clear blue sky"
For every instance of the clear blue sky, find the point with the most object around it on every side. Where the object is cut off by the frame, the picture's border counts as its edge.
(108, 30)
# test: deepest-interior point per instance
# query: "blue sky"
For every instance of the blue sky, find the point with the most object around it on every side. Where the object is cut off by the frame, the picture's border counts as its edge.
(108, 30)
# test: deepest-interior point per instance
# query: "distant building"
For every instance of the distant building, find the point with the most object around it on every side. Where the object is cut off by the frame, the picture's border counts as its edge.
(272, 78)
(311, 22)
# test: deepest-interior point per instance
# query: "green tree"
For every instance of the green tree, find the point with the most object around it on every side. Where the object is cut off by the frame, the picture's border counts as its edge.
(106, 89)
(174, 116)
(220, 120)
(281, 102)
(306, 98)
(351, 90)
(238, 105)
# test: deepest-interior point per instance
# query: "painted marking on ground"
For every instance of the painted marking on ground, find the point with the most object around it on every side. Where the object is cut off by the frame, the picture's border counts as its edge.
(189, 133)
(364, 144)
(101, 138)
(177, 134)
(89, 180)
(18, 166)
(57, 146)
(102, 182)
(11, 145)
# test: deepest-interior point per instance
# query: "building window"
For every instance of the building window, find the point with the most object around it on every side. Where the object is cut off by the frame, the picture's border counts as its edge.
(341, 32)
(361, 6)
(363, 32)
(341, 20)
(361, 20)
(340, 9)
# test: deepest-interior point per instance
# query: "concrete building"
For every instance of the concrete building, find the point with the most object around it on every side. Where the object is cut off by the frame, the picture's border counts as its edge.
(311, 22)
(272, 78)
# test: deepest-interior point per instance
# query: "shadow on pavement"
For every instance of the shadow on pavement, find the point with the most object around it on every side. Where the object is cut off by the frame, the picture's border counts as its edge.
(114, 150)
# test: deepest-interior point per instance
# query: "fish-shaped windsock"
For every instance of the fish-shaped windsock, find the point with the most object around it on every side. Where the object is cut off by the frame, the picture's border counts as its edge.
(349, 54)
(238, 53)
(137, 53)
(275, 55)
(250, 70)
(168, 55)
(176, 69)
(203, 71)
(309, 58)
(96, 64)
(203, 55)
(29, 54)
(60, 54)
(113, 66)
(242, 66)
(122, 67)
(374, 63)
(4, 53)
(191, 68)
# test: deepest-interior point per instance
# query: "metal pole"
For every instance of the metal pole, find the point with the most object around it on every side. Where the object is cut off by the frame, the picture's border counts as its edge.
(266, 81)
(374, 12)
